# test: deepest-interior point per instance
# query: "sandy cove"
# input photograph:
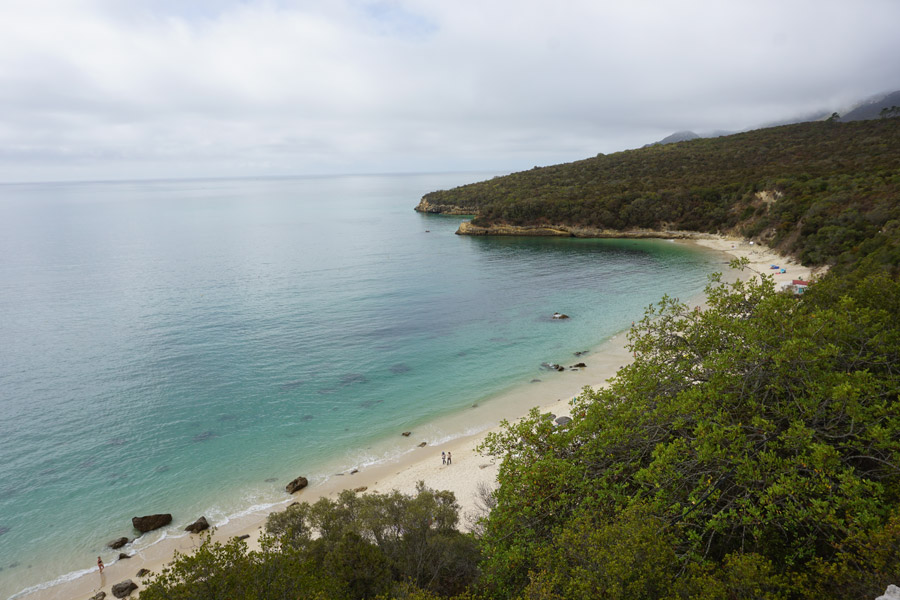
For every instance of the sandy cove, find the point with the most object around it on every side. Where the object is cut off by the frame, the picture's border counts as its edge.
(469, 469)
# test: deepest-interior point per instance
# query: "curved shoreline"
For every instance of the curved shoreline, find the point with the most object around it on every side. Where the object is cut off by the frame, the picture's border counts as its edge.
(466, 428)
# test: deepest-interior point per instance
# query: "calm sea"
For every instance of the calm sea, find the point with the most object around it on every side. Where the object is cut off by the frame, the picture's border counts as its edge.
(191, 346)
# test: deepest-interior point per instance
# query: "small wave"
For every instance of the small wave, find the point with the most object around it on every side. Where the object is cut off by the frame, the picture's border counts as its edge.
(58, 581)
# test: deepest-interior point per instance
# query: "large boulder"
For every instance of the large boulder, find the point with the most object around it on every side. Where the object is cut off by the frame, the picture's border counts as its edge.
(117, 543)
(197, 526)
(151, 522)
(296, 485)
(123, 588)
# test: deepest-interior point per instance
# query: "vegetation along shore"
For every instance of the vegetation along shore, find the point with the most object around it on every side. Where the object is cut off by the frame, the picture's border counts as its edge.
(748, 447)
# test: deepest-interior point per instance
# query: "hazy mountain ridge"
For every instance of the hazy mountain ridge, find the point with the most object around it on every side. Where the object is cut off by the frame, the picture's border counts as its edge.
(869, 108)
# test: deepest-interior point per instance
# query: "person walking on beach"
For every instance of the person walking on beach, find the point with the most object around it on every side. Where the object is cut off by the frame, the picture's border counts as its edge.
(443, 458)
(100, 564)
(449, 459)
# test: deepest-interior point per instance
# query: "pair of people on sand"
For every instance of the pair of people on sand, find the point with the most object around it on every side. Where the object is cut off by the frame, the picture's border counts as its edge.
(446, 458)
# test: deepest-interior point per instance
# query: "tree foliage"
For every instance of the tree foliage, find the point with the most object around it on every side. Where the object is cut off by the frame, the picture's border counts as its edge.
(752, 449)
(376, 545)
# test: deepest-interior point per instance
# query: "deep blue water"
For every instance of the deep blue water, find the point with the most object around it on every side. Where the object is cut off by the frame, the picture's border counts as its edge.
(172, 345)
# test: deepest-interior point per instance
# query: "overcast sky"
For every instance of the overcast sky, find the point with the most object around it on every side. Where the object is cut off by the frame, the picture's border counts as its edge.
(117, 89)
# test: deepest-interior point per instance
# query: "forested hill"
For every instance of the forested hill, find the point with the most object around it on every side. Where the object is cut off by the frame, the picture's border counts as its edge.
(826, 192)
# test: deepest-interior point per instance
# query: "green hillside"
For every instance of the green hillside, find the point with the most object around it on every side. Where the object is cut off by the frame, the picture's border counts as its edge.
(826, 192)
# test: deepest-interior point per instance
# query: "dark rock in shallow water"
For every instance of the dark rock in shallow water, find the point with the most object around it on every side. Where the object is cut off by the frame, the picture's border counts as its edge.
(581, 352)
(400, 368)
(142, 572)
(535, 381)
(351, 378)
(123, 556)
(206, 435)
(3, 530)
(423, 444)
(578, 366)
(354, 471)
(307, 418)
(151, 522)
(118, 543)
(197, 526)
(296, 485)
(406, 433)
(559, 316)
(124, 588)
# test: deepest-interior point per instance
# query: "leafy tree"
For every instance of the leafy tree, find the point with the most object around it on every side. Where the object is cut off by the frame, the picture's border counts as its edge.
(761, 435)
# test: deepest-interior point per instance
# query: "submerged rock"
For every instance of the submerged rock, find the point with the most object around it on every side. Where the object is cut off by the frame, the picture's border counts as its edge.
(297, 485)
(124, 588)
(151, 522)
(118, 543)
(197, 526)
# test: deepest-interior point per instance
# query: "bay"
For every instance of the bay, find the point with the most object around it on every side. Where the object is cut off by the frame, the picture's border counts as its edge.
(191, 346)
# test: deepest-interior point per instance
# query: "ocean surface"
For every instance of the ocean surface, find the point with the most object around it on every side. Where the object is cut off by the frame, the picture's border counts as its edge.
(191, 346)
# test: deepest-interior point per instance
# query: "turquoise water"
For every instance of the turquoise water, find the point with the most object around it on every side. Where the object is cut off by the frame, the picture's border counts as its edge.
(190, 346)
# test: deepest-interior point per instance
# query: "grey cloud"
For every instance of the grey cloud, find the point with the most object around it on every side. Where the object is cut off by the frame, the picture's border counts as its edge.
(103, 89)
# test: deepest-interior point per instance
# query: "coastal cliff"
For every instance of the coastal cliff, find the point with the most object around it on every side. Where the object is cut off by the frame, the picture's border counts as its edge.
(468, 228)
(425, 206)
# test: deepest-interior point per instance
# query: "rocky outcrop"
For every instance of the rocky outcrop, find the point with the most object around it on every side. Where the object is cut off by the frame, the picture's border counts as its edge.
(98, 596)
(563, 420)
(578, 366)
(445, 209)
(296, 485)
(143, 572)
(552, 367)
(197, 526)
(467, 228)
(117, 543)
(151, 522)
(124, 588)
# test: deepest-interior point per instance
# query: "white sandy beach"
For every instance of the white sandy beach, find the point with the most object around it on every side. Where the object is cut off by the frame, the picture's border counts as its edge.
(469, 469)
